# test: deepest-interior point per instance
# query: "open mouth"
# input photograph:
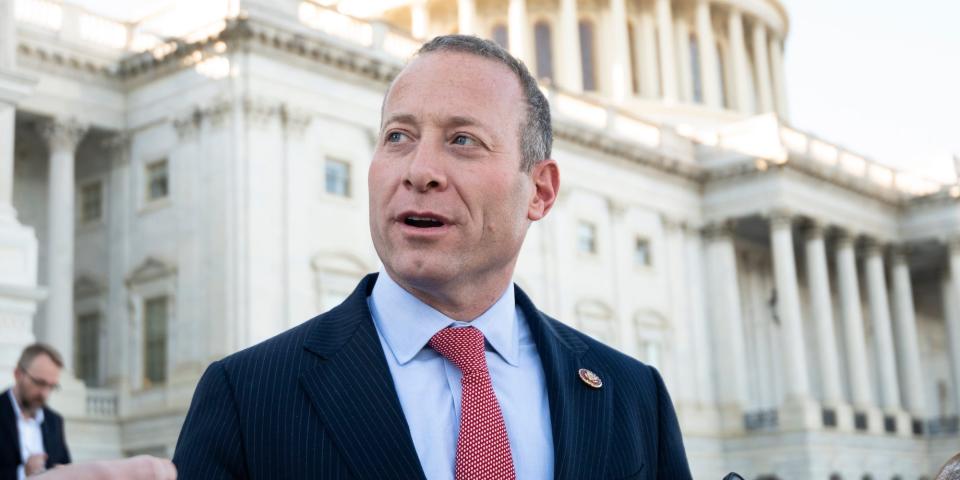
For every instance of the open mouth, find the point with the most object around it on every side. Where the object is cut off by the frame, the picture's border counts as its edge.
(422, 222)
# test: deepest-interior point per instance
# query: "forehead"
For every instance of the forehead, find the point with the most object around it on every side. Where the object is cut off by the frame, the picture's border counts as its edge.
(455, 83)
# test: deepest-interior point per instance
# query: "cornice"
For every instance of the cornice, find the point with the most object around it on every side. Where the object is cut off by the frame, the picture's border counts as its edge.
(601, 141)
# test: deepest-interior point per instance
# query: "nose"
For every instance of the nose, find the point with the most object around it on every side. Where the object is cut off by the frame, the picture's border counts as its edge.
(426, 169)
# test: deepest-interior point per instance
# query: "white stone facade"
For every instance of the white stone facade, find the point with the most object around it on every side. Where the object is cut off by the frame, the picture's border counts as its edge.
(800, 300)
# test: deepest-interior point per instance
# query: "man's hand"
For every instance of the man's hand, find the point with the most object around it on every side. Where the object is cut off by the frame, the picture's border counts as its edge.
(143, 467)
(35, 464)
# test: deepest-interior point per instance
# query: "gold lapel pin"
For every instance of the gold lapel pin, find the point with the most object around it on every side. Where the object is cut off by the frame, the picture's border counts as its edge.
(590, 378)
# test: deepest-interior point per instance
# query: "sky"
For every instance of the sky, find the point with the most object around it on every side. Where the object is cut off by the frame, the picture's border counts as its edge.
(878, 77)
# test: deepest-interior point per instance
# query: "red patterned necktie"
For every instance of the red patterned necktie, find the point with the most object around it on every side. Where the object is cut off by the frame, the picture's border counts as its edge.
(483, 451)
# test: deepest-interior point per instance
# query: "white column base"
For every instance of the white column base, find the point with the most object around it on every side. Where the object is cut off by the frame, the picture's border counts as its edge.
(874, 418)
(71, 399)
(731, 419)
(903, 422)
(800, 414)
(698, 419)
(19, 293)
(844, 415)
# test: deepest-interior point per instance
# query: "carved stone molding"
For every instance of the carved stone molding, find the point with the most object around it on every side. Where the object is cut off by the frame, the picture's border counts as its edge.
(151, 269)
(257, 111)
(117, 146)
(62, 135)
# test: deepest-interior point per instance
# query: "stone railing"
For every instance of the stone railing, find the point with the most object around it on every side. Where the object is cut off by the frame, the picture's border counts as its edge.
(766, 419)
(943, 426)
(101, 403)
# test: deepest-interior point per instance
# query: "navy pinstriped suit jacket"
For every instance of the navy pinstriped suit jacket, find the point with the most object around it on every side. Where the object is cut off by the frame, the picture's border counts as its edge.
(318, 402)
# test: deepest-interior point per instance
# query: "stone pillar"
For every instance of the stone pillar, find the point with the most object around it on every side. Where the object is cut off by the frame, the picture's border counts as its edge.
(8, 36)
(880, 317)
(620, 52)
(649, 67)
(819, 280)
(788, 306)
(419, 19)
(761, 65)
(779, 77)
(62, 140)
(700, 327)
(668, 62)
(738, 57)
(568, 41)
(854, 338)
(707, 47)
(519, 31)
(466, 17)
(728, 331)
(908, 347)
(682, 31)
(951, 299)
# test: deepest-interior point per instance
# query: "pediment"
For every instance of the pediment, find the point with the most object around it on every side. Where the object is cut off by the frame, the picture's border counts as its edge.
(151, 269)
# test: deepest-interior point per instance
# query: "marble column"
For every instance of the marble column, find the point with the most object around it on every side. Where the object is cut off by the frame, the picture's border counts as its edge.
(571, 77)
(738, 57)
(519, 31)
(466, 17)
(728, 329)
(668, 63)
(8, 36)
(707, 48)
(819, 281)
(854, 338)
(779, 77)
(649, 67)
(62, 139)
(883, 338)
(788, 307)
(951, 299)
(908, 347)
(697, 311)
(682, 31)
(419, 19)
(8, 128)
(620, 52)
(761, 65)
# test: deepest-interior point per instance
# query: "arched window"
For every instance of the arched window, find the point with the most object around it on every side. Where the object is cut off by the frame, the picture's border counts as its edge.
(500, 35)
(587, 54)
(544, 46)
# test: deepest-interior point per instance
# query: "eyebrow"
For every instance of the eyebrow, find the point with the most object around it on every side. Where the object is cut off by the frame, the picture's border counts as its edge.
(455, 121)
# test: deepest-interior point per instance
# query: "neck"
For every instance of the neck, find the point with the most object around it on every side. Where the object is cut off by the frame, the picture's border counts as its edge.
(459, 300)
(25, 412)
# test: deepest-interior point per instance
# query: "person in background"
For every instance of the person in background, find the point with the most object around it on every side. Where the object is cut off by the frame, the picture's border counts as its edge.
(31, 433)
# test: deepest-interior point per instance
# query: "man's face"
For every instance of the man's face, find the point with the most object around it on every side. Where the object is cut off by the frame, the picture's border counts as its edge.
(36, 382)
(448, 201)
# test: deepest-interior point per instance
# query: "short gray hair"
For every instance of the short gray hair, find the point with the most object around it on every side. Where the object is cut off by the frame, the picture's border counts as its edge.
(536, 134)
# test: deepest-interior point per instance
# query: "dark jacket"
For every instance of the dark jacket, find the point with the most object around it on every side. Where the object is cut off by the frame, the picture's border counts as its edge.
(318, 401)
(54, 442)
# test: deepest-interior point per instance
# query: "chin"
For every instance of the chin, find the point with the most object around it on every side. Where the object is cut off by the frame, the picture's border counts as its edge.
(418, 272)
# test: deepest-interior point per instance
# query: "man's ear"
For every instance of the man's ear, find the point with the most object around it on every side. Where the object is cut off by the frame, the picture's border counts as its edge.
(546, 185)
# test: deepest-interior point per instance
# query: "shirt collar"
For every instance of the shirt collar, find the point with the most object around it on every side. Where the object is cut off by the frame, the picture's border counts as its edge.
(406, 323)
(19, 415)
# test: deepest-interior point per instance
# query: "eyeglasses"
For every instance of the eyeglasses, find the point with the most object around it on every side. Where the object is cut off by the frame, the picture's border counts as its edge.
(40, 382)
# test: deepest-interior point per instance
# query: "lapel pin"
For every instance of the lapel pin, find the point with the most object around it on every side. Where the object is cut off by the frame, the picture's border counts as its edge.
(590, 378)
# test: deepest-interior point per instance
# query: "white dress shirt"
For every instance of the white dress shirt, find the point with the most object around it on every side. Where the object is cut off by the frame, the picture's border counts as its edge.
(31, 437)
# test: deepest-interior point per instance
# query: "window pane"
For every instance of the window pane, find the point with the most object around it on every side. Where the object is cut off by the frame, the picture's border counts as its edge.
(157, 180)
(641, 252)
(541, 32)
(586, 238)
(88, 348)
(586, 55)
(337, 177)
(695, 68)
(155, 341)
(91, 202)
(500, 36)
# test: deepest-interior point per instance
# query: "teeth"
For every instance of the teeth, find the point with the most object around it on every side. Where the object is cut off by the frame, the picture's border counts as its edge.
(422, 219)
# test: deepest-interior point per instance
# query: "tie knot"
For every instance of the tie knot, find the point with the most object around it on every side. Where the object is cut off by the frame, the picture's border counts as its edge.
(461, 346)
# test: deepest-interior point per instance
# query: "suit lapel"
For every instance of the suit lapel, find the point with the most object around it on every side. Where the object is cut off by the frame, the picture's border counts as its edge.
(8, 425)
(579, 414)
(353, 391)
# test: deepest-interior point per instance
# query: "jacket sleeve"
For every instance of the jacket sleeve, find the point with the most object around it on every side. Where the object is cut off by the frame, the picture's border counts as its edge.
(210, 445)
(671, 456)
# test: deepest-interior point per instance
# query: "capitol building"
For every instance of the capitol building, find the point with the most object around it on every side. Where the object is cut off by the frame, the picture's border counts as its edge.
(183, 185)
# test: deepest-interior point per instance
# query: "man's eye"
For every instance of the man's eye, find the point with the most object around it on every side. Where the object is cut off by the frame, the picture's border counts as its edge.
(463, 140)
(394, 137)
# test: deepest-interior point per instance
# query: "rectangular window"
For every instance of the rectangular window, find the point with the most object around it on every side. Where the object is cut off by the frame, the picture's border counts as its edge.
(87, 350)
(586, 238)
(641, 252)
(91, 202)
(337, 177)
(158, 180)
(155, 341)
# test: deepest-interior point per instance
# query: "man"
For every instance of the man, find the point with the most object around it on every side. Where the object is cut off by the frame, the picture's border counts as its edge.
(31, 434)
(438, 367)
